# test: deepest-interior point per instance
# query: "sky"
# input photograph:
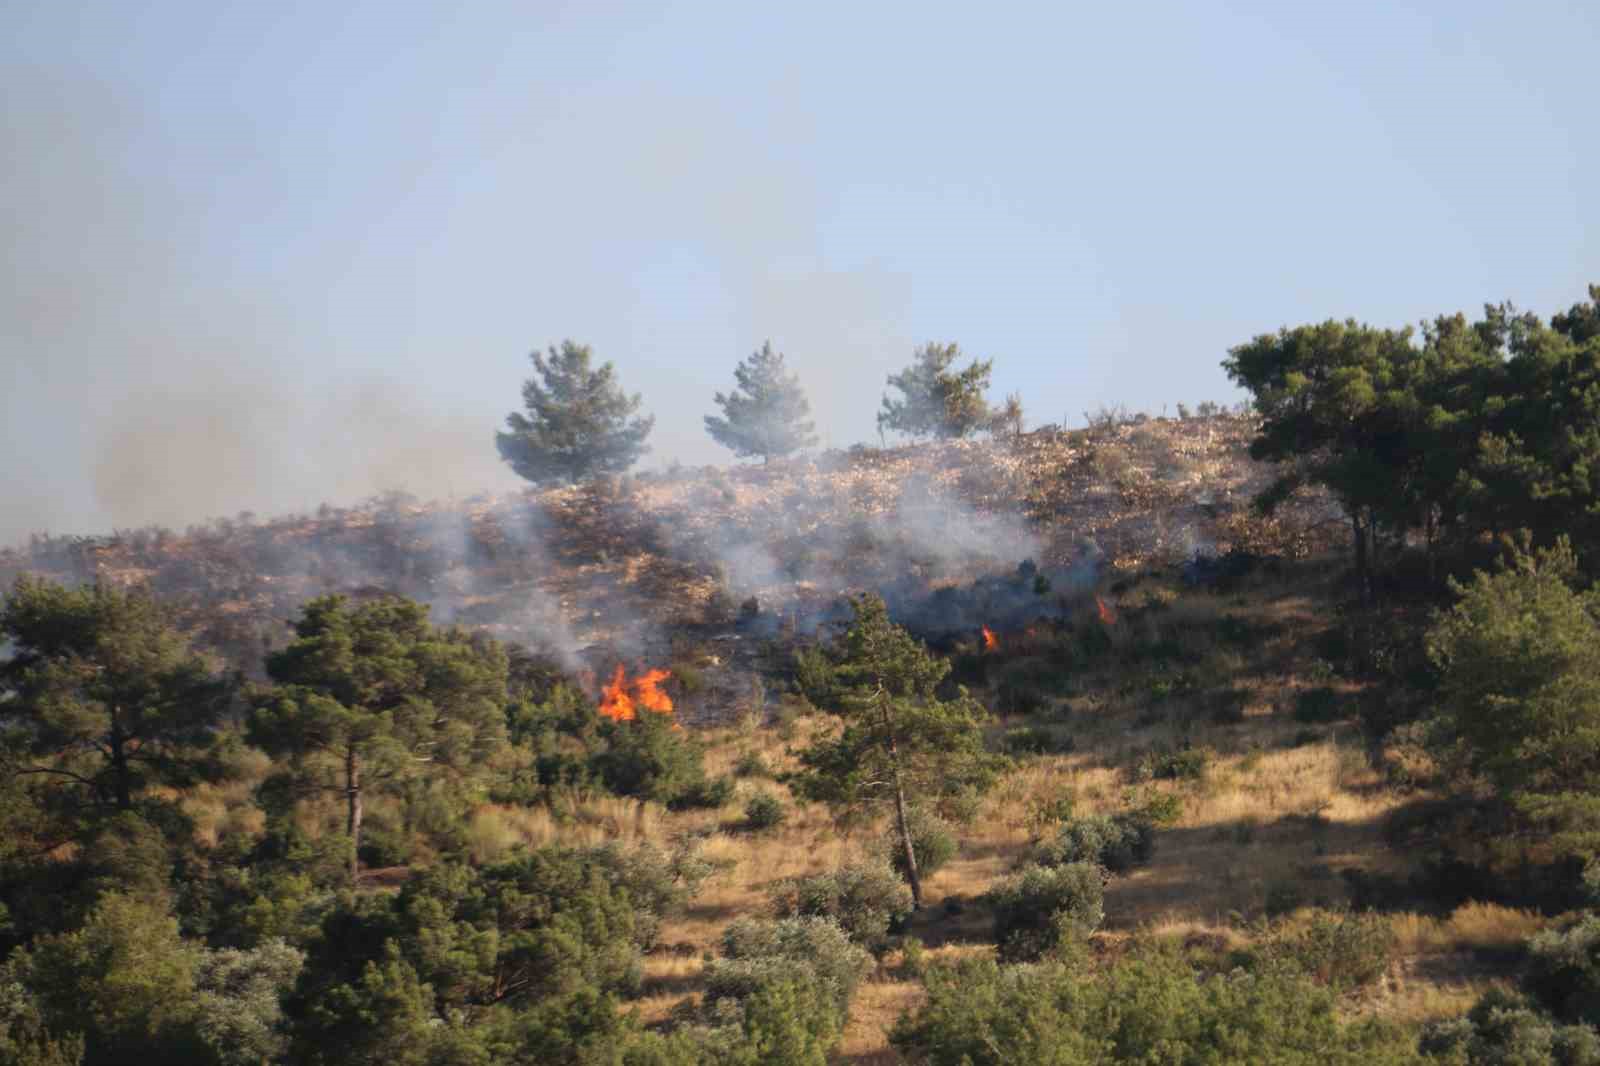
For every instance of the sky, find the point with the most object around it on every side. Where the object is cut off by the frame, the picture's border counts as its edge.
(264, 256)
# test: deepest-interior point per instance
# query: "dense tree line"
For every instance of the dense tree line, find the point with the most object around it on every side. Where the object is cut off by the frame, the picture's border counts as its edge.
(1471, 430)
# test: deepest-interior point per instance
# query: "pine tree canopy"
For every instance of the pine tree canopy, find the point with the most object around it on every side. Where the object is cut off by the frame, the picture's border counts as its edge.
(937, 401)
(767, 415)
(579, 423)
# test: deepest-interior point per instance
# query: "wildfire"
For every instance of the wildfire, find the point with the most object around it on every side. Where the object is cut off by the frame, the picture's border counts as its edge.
(1107, 615)
(621, 699)
(990, 641)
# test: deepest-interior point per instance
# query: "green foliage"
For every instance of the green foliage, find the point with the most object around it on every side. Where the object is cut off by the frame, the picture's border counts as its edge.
(372, 697)
(900, 742)
(1503, 1029)
(105, 700)
(751, 764)
(1037, 740)
(760, 954)
(936, 400)
(125, 981)
(866, 899)
(1519, 657)
(1118, 843)
(933, 842)
(1181, 764)
(579, 422)
(766, 415)
(551, 936)
(647, 758)
(1045, 909)
(1151, 1008)
(1342, 951)
(764, 811)
(1564, 970)
(238, 1003)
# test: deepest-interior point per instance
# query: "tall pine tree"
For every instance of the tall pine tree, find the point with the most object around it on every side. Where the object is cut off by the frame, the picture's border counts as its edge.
(767, 415)
(579, 422)
(899, 742)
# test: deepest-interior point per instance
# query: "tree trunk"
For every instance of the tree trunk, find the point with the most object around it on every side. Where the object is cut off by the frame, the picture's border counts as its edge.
(352, 782)
(1361, 531)
(912, 877)
(119, 763)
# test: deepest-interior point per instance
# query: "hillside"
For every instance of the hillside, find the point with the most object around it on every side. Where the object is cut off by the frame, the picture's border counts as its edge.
(637, 567)
(1148, 643)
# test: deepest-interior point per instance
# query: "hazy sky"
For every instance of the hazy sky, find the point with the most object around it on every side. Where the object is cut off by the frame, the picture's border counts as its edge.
(257, 256)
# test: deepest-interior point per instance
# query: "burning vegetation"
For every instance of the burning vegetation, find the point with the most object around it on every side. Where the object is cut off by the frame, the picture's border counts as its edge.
(622, 699)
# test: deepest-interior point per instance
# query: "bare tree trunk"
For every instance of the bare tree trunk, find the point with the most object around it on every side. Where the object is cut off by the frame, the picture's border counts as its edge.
(352, 780)
(1362, 531)
(912, 877)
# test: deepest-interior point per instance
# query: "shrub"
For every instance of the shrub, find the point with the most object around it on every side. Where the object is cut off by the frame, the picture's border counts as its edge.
(932, 841)
(865, 899)
(708, 793)
(1564, 970)
(1036, 740)
(1185, 764)
(1116, 843)
(1157, 808)
(1344, 951)
(1503, 1029)
(764, 811)
(751, 764)
(1149, 1008)
(759, 954)
(1045, 908)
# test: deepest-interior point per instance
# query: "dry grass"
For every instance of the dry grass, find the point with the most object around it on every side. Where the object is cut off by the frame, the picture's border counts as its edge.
(1473, 927)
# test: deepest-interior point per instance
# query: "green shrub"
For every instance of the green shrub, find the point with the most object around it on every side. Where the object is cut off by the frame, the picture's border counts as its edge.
(759, 954)
(1157, 808)
(1342, 951)
(1046, 908)
(1184, 764)
(1117, 843)
(751, 764)
(708, 793)
(865, 899)
(764, 811)
(1149, 1008)
(1564, 970)
(1504, 1029)
(932, 841)
(1317, 706)
(1036, 740)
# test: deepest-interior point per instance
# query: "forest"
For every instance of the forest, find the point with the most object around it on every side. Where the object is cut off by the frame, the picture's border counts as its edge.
(1255, 735)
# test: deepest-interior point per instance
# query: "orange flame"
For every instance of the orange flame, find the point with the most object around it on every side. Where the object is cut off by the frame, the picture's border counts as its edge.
(621, 698)
(1107, 615)
(990, 641)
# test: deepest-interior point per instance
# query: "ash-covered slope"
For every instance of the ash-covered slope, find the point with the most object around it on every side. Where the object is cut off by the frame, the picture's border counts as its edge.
(630, 565)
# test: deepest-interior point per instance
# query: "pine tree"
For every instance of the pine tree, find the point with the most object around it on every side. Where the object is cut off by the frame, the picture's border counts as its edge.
(104, 696)
(936, 401)
(372, 696)
(900, 742)
(579, 422)
(767, 414)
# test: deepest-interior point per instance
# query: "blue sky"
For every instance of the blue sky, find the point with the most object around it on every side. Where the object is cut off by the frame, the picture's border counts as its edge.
(265, 255)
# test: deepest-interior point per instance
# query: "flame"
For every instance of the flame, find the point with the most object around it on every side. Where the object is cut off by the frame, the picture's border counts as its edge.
(990, 641)
(1107, 615)
(620, 699)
